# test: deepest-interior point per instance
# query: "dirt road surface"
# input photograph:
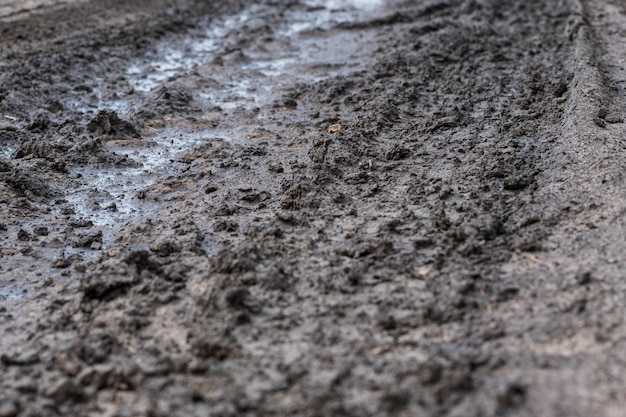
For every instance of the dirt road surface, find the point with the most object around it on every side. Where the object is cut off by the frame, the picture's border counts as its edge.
(312, 208)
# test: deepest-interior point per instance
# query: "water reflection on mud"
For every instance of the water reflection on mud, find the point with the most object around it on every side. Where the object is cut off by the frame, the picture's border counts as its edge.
(109, 195)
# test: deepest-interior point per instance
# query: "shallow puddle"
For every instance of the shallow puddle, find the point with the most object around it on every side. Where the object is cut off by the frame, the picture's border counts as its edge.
(8, 149)
(240, 76)
(109, 195)
(11, 292)
(246, 76)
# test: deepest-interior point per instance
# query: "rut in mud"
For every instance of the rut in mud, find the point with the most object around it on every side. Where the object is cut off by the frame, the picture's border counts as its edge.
(344, 207)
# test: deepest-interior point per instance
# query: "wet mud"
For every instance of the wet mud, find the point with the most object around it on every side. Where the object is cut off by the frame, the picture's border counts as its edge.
(313, 208)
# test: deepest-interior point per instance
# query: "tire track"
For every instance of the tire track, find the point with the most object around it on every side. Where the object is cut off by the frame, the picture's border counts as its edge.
(574, 282)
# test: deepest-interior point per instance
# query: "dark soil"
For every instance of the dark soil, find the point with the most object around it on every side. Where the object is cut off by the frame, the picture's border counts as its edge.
(312, 208)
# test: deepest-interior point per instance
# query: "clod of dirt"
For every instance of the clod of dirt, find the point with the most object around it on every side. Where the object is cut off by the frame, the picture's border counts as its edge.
(28, 183)
(170, 100)
(23, 235)
(92, 240)
(108, 124)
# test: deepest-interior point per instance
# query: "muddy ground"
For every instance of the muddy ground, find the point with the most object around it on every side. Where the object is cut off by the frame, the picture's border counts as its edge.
(312, 208)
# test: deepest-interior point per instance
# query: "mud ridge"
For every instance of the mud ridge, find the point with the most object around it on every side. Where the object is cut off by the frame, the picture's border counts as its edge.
(590, 89)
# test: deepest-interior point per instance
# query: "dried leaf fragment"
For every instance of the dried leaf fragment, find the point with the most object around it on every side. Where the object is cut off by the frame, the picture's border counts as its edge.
(334, 128)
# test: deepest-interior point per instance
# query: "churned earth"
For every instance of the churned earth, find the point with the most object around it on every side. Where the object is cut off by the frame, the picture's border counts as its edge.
(312, 208)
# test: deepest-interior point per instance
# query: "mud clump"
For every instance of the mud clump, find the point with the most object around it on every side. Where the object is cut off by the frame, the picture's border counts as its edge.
(108, 124)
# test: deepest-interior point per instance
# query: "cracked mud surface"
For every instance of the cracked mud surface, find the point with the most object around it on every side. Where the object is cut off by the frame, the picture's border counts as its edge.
(312, 208)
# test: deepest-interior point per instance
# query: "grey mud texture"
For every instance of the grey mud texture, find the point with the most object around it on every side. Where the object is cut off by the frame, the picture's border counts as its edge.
(312, 208)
